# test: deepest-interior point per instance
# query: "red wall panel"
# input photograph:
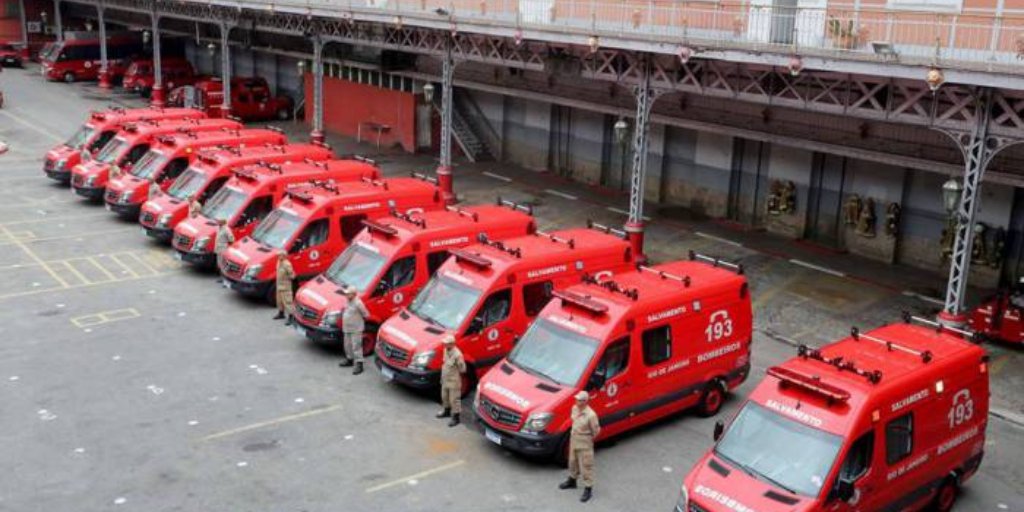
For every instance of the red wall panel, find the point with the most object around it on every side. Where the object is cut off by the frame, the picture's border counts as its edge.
(348, 104)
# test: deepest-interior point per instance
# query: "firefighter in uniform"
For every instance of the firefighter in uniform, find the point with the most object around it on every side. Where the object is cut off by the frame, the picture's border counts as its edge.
(585, 429)
(285, 294)
(194, 207)
(353, 322)
(225, 237)
(451, 381)
(154, 187)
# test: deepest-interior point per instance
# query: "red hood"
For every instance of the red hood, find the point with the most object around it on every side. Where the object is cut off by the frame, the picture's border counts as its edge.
(321, 295)
(164, 204)
(411, 334)
(63, 151)
(247, 252)
(138, 188)
(91, 169)
(737, 491)
(192, 229)
(519, 392)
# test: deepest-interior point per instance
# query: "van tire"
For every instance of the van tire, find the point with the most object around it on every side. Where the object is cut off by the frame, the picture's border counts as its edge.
(69, 77)
(946, 496)
(711, 399)
(561, 455)
(370, 339)
(271, 295)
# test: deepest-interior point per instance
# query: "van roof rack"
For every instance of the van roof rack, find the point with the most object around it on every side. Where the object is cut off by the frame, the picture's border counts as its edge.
(408, 217)
(377, 227)
(515, 252)
(810, 383)
(463, 212)
(606, 229)
(365, 160)
(581, 301)
(321, 144)
(377, 183)
(268, 127)
(685, 280)
(523, 207)
(910, 319)
(571, 242)
(736, 267)
(234, 150)
(424, 177)
(166, 140)
(300, 193)
(612, 286)
(840, 363)
(477, 260)
(891, 346)
(245, 173)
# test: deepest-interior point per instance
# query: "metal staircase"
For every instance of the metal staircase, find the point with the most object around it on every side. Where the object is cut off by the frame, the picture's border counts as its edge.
(471, 130)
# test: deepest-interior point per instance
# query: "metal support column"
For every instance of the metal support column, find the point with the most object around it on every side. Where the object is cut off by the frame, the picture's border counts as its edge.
(444, 169)
(645, 98)
(24, 23)
(317, 134)
(157, 94)
(58, 23)
(978, 151)
(225, 68)
(104, 76)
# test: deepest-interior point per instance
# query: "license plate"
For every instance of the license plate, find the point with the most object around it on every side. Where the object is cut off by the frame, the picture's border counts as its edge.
(179, 256)
(145, 232)
(387, 373)
(108, 207)
(299, 329)
(492, 436)
(229, 285)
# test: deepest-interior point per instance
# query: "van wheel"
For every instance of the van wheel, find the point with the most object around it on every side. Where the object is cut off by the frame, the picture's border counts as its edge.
(946, 497)
(69, 77)
(283, 114)
(712, 399)
(561, 455)
(271, 296)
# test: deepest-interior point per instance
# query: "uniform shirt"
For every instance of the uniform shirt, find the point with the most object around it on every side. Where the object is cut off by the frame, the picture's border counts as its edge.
(285, 274)
(453, 367)
(224, 239)
(353, 318)
(585, 427)
(154, 189)
(194, 207)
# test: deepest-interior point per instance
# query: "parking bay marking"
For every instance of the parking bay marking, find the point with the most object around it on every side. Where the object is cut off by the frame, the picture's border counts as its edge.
(418, 476)
(276, 421)
(31, 254)
(105, 317)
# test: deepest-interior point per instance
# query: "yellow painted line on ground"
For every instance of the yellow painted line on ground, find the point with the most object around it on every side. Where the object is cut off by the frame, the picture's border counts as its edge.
(28, 293)
(75, 271)
(418, 476)
(35, 257)
(117, 315)
(128, 269)
(32, 126)
(135, 256)
(268, 423)
(105, 317)
(96, 263)
(74, 235)
(53, 219)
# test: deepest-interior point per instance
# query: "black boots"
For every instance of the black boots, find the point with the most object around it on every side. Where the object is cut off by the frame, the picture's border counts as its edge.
(280, 315)
(290, 321)
(569, 483)
(345, 362)
(587, 494)
(454, 421)
(444, 413)
(358, 369)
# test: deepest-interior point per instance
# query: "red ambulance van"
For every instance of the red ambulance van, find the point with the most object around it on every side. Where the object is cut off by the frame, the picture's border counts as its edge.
(486, 295)
(250, 195)
(314, 224)
(1001, 316)
(644, 344)
(208, 174)
(73, 60)
(176, 72)
(891, 419)
(169, 157)
(97, 131)
(391, 260)
(89, 179)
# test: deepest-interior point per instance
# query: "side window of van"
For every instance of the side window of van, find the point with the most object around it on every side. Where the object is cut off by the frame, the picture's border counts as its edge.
(313, 235)
(102, 140)
(615, 359)
(494, 310)
(212, 188)
(899, 438)
(434, 261)
(257, 209)
(174, 169)
(858, 459)
(400, 274)
(657, 345)
(536, 296)
(135, 154)
(351, 226)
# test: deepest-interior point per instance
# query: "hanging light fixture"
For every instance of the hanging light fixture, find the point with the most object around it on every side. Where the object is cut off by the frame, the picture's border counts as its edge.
(935, 79)
(594, 44)
(685, 52)
(428, 92)
(952, 191)
(796, 65)
(211, 49)
(145, 37)
(301, 64)
(518, 37)
(621, 129)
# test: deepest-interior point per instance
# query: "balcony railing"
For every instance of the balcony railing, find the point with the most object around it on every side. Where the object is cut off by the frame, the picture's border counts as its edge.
(975, 41)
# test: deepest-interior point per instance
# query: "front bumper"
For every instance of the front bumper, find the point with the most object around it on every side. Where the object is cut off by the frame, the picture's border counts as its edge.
(318, 334)
(11, 61)
(129, 210)
(59, 175)
(248, 288)
(90, 193)
(200, 259)
(419, 379)
(159, 234)
(541, 445)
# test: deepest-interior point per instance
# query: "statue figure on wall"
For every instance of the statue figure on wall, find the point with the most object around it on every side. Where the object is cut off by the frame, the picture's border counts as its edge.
(948, 237)
(979, 254)
(995, 256)
(851, 210)
(866, 221)
(782, 198)
(892, 219)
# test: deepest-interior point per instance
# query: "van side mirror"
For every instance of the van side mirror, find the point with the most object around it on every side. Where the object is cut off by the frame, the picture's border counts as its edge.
(719, 430)
(595, 382)
(844, 490)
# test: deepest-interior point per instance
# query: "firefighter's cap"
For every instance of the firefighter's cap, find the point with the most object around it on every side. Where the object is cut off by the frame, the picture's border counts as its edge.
(582, 396)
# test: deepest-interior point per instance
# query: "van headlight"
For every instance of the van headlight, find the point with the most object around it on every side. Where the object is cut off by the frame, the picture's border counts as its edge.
(330, 319)
(422, 360)
(126, 196)
(201, 243)
(90, 181)
(537, 422)
(62, 164)
(684, 500)
(252, 272)
(164, 220)
(476, 397)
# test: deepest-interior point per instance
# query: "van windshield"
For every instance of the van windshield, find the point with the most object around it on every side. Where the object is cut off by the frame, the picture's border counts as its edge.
(356, 267)
(148, 164)
(779, 450)
(445, 302)
(111, 151)
(553, 352)
(277, 229)
(81, 137)
(188, 184)
(224, 204)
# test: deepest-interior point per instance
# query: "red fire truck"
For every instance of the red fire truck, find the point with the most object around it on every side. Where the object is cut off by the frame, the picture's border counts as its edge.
(251, 99)
(1001, 317)
(89, 179)
(391, 260)
(250, 195)
(208, 174)
(486, 295)
(644, 344)
(891, 419)
(314, 224)
(75, 60)
(176, 72)
(169, 157)
(97, 131)
(10, 55)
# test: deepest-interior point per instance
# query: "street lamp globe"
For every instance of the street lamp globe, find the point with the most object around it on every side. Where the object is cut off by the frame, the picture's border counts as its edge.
(145, 37)
(428, 92)
(621, 130)
(951, 192)
(211, 49)
(301, 64)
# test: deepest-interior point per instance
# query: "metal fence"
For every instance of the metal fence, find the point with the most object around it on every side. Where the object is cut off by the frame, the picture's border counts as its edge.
(911, 36)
